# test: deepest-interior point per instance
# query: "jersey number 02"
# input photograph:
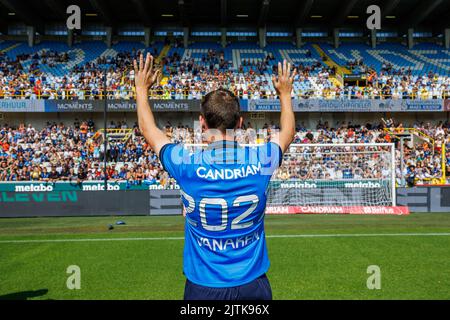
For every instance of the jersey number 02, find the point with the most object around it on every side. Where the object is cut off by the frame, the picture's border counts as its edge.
(236, 223)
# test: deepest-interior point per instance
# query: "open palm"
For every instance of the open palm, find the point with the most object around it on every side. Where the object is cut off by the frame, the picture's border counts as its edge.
(144, 74)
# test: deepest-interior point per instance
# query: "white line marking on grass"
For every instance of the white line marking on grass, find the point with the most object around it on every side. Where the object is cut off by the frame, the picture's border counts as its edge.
(88, 240)
(346, 235)
(343, 235)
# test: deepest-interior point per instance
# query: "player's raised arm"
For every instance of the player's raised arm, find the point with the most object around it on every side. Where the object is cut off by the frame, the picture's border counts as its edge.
(283, 86)
(145, 77)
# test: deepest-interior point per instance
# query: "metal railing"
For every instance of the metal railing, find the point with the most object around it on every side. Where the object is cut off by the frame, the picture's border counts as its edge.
(122, 134)
(421, 134)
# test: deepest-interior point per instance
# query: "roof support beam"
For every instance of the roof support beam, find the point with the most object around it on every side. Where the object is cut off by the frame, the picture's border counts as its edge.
(263, 13)
(303, 12)
(143, 12)
(387, 9)
(101, 7)
(346, 8)
(182, 11)
(223, 13)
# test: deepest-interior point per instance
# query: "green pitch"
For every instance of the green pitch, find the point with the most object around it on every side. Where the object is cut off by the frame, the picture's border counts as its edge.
(322, 257)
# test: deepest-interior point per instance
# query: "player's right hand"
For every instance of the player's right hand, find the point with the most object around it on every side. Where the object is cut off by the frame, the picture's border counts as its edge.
(144, 75)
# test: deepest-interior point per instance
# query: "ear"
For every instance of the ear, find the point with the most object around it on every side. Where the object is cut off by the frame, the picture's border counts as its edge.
(203, 123)
(240, 122)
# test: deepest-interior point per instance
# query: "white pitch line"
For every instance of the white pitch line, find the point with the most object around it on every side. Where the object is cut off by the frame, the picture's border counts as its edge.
(343, 235)
(346, 235)
(87, 240)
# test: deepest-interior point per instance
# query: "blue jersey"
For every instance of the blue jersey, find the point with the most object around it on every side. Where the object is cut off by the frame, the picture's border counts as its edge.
(223, 189)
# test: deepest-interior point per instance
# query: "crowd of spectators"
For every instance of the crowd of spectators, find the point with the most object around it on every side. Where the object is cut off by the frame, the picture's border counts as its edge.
(58, 152)
(74, 153)
(422, 156)
(189, 78)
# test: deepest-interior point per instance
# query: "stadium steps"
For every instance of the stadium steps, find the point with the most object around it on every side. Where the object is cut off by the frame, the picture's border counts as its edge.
(165, 50)
(331, 63)
(114, 135)
(10, 47)
(416, 136)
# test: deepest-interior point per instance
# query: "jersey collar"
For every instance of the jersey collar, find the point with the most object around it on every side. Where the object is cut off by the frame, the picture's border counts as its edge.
(223, 144)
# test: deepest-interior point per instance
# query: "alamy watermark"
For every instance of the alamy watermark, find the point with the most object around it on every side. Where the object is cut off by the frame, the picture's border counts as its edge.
(73, 282)
(74, 20)
(374, 20)
(374, 280)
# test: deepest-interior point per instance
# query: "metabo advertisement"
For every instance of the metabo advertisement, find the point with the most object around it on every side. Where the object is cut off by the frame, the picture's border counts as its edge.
(72, 186)
(338, 184)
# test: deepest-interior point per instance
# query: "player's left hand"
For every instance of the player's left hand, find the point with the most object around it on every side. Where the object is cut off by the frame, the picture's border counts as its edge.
(144, 75)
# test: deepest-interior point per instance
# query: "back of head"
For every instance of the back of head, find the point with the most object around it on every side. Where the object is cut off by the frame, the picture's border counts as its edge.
(220, 109)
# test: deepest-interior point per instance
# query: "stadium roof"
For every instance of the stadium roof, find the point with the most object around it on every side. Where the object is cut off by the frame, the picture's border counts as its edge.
(289, 13)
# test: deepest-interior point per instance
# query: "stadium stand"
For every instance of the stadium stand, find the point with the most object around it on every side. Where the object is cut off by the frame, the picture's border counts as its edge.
(58, 152)
(53, 70)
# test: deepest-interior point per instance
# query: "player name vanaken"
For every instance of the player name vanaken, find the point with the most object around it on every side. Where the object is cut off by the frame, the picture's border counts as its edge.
(229, 243)
(228, 174)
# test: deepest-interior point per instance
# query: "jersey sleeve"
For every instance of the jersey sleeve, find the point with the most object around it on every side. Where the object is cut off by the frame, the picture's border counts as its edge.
(270, 156)
(173, 158)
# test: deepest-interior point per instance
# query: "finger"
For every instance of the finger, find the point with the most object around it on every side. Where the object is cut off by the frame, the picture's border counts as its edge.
(147, 62)
(280, 71)
(274, 80)
(150, 72)
(160, 75)
(284, 68)
(151, 63)
(293, 75)
(135, 67)
(141, 62)
(288, 73)
(156, 75)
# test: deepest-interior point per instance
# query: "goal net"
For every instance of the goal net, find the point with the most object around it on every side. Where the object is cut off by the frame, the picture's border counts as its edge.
(334, 178)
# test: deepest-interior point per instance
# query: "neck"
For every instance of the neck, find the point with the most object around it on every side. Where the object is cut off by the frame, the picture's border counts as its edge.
(210, 138)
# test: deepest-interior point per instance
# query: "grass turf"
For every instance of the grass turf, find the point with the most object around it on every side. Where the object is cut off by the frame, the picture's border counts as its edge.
(412, 267)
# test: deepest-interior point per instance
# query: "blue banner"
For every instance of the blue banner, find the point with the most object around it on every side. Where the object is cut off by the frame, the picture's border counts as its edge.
(256, 105)
(423, 105)
(73, 106)
(19, 105)
(166, 105)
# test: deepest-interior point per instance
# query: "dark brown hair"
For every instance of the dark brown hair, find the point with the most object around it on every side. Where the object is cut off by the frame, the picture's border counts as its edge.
(221, 110)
